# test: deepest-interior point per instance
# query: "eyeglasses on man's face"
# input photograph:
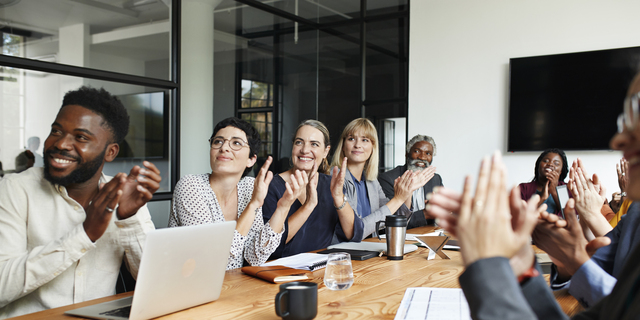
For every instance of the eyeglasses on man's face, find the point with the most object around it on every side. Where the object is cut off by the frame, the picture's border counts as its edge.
(236, 144)
(628, 119)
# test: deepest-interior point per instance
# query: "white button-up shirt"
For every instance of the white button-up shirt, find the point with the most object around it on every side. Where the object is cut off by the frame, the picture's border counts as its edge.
(46, 258)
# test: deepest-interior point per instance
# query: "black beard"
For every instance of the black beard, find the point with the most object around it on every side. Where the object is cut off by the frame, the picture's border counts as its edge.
(83, 173)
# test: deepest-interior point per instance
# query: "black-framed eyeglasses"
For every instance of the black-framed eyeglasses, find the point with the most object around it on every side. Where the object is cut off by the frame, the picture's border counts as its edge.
(630, 113)
(236, 144)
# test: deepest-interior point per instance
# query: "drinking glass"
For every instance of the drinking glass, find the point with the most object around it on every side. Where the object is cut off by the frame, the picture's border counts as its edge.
(339, 274)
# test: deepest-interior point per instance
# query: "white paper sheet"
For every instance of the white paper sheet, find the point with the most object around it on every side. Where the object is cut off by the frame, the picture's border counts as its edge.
(432, 304)
(306, 260)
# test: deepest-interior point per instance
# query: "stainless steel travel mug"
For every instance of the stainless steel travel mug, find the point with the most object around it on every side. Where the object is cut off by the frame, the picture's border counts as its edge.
(396, 229)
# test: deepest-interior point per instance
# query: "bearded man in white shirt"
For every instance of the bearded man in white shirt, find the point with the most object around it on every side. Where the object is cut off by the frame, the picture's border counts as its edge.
(65, 228)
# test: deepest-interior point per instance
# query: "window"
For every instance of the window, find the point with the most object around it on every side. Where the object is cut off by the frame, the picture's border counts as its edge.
(52, 47)
(330, 60)
(258, 95)
(263, 122)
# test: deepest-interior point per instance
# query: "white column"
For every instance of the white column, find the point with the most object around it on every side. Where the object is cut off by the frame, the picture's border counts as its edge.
(196, 83)
(74, 49)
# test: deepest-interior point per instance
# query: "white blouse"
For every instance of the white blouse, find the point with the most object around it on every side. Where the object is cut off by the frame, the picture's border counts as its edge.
(194, 202)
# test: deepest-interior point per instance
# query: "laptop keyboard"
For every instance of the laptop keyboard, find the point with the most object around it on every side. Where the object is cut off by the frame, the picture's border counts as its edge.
(121, 312)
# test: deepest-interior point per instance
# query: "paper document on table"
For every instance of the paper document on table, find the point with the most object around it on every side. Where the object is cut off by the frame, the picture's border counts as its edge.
(433, 303)
(306, 260)
(412, 236)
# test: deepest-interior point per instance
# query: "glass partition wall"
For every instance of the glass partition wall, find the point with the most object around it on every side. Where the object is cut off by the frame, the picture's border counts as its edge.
(127, 47)
(280, 62)
(276, 63)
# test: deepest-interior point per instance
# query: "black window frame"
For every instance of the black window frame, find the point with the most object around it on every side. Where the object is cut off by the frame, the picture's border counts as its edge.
(172, 85)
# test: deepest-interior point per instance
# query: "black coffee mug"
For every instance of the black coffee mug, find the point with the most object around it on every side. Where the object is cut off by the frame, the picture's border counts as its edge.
(300, 300)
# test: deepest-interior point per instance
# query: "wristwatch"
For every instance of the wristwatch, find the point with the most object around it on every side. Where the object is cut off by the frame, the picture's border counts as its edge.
(344, 203)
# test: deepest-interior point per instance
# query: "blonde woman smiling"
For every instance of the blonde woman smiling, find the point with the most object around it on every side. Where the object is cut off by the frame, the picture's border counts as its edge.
(358, 152)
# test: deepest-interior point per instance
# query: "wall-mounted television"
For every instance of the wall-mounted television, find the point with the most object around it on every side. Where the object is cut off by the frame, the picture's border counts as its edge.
(568, 101)
(148, 128)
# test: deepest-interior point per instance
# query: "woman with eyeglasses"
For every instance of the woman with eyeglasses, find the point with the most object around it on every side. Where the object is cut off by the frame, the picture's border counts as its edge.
(318, 212)
(358, 155)
(227, 194)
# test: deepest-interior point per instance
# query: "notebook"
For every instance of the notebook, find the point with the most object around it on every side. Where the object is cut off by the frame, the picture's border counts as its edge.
(276, 274)
(180, 268)
(305, 261)
(355, 254)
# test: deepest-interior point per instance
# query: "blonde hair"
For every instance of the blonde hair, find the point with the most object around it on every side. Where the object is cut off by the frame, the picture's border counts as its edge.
(367, 129)
(324, 166)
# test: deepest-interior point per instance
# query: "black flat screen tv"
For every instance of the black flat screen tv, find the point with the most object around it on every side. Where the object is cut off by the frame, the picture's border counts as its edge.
(148, 127)
(568, 101)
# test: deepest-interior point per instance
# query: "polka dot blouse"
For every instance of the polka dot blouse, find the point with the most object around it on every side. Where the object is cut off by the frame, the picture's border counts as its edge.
(194, 202)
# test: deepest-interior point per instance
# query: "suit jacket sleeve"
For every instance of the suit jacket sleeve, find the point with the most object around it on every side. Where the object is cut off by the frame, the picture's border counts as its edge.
(492, 292)
(386, 182)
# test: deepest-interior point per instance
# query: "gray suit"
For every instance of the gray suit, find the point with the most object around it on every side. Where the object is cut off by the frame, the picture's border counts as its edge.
(493, 293)
(377, 201)
(386, 181)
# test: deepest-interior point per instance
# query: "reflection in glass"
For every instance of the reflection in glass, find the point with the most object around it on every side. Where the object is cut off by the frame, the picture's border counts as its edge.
(284, 72)
(256, 94)
(148, 128)
(31, 103)
(263, 123)
(12, 44)
(387, 58)
(131, 37)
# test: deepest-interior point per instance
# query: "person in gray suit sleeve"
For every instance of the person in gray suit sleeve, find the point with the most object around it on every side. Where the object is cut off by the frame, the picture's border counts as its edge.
(495, 244)
(501, 278)
(420, 151)
(357, 152)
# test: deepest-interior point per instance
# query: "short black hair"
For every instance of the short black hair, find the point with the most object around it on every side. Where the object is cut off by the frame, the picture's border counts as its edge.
(103, 103)
(565, 165)
(253, 136)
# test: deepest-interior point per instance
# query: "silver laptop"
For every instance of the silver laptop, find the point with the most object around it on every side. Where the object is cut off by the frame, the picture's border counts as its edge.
(180, 268)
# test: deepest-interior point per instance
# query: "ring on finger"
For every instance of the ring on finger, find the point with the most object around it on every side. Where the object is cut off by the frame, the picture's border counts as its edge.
(108, 209)
(479, 203)
(623, 174)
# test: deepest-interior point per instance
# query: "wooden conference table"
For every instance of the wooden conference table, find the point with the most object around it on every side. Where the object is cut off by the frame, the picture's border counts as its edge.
(376, 293)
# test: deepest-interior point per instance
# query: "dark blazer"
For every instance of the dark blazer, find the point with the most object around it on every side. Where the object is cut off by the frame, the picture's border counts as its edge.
(493, 293)
(595, 282)
(386, 181)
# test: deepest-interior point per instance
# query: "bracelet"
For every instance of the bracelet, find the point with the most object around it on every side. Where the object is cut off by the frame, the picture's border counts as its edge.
(344, 203)
(623, 194)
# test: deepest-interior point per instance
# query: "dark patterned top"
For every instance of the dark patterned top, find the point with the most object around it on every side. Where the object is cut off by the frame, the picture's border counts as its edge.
(195, 203)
